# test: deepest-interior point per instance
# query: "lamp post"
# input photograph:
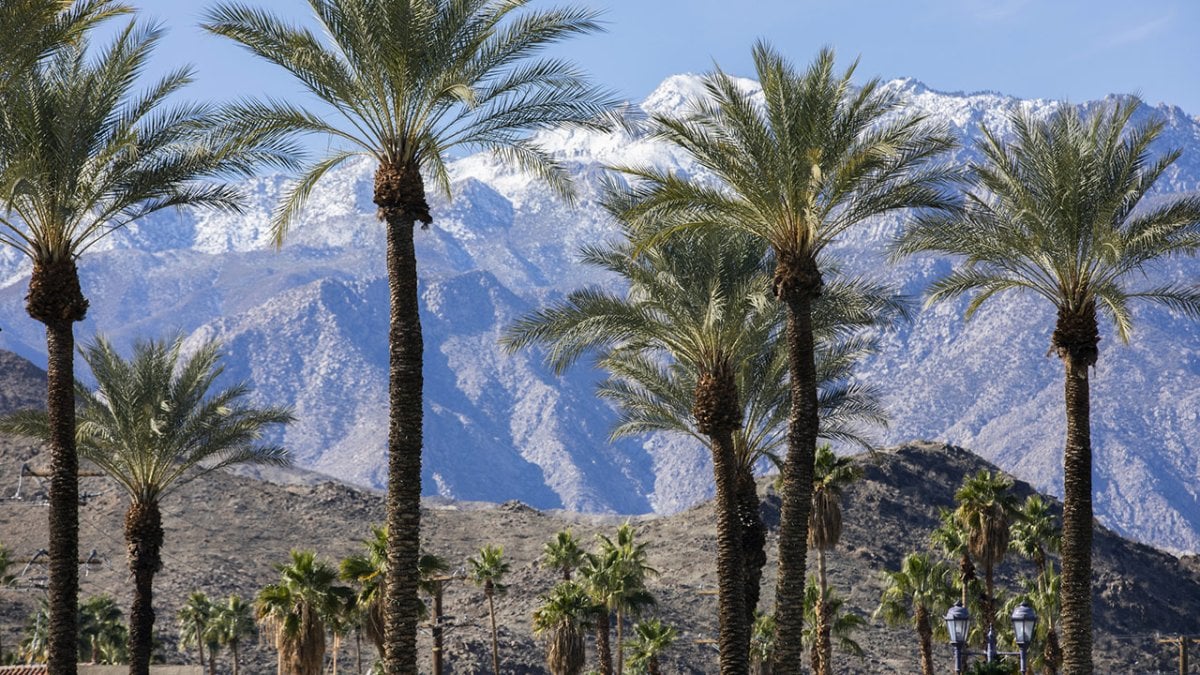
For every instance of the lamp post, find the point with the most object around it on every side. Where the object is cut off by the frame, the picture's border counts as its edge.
(958, 623)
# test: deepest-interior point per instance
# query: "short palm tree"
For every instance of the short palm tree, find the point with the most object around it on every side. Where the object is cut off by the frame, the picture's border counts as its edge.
(650, 639)
(831, 475)
(488, 571)
(917, 594)
(842, 626)
(434, 573)
(985, 512)
(152, 425)
(628, 561)
(63, 186)
(233, 623)
(1059, 213)
(565, 615)
(410, 81)
(762, 644)
(194, 618)
(562, 553)
(368, 571)
(102, 632)
(798, 167)
(294, 611)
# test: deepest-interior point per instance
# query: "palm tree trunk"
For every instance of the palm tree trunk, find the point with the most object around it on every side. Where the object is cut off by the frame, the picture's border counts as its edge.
(824, 645)
(337, 644)
(437, 630)
(603, 650)
(754, 540)
(1076, 621)
(798, 288)
(357, 651)
(620, 642)
(143, 541)
(56, 300)
(925, 635)
(200, 644)
(233, 648)
(495, 642)
(212, 660)
(989, 599)
(400, 195)
(1051, 654)
(652, 667)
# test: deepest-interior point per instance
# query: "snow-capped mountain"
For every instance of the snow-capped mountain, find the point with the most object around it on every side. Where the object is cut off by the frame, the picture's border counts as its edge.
(306, 326)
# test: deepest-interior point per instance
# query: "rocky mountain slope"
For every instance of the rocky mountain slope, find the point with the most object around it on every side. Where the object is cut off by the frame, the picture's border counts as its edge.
(225, 532)
(306, 326)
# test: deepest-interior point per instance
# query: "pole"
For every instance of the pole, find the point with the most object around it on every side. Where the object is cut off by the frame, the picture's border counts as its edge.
(1180, 641)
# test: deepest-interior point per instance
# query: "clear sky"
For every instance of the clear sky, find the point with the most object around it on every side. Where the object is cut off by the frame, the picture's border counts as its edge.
(1072, 49)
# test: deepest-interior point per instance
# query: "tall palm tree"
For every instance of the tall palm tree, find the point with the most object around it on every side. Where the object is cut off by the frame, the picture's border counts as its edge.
(986, 509)
(294, 611)
(152, 425)
(797, 168)
(411, 81)
(842, 626)
(1059, 213)
(233, 622)
(918, 594)
(831, 475)
(650, 639)
(64, 186)
(194, 618)
(630, 564)
(562, 553)
(565, 615)
(488, 571)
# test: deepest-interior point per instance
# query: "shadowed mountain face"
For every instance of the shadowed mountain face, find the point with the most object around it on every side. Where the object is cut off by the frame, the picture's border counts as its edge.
(224, 533)
(306, 326)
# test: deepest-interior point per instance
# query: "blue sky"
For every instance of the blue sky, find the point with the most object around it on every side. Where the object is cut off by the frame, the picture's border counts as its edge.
(1069, 49)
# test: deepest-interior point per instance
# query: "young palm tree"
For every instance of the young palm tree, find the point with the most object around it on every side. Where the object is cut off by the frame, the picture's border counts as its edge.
(152, 425)
(102, 632)
(233, 622)
(842, 626)
(487, 571)
(194, 618)
(562, 553)
(411, 81)
(433, 571)
(565, 615)
(831, 475)
(812, 160)
(293, 612)
(650, 639)
(918, 594)
(368, 572)
(985, 512)
(1058, 212)
(630, 563)
(64, 186)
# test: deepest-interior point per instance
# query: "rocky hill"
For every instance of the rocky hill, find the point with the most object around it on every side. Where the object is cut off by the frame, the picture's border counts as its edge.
(224, 533)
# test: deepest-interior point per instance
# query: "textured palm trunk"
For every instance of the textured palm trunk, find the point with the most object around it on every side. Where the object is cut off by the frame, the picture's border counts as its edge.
(754, 541)
(824, 646)
(56, 300)
(652, 667)
(989, 599)
(718, 415)
(143, 541)
(620, 642)
(495, 643)
(1076, 337)
(200, 646)
(925, 635)
(437, 630)
(603, 650)
(212, 660)
(337, 645)
(966, 574)
(233, 649)
(1051, 654)
(357, 651)
(798, 284)
(400, 195)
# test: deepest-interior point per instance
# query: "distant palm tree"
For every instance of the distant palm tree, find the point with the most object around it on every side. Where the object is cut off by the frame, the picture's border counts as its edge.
(152, 425)
(952, 539)
(563, 553)
(35, 645)
(565, 615)
(124, 155)
(842, 626)
(102, 632)
(368, 571)
(1059, 212)
(1036, 535)
(831, 475)
(650, 639)
(1044, 595)
(762, 644)
(293, 612)
(194, 618)
(232, 623)
(986, 509)
(918, 594)
(797, 167)
(488, 571)
(629, 566)
(433, 571)
(412, 81)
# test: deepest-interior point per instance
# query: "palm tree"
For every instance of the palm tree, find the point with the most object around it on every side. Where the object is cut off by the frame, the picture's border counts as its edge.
(64, 186)
(842, 626)
(102, 632)
(152, 425)
(35, 28)
(917, 593)
(193, 620)
(1036, 534)
(985, 511)
(562, 553)
(412, 81)
(293, 612)
(650, 639)
(1058, 212)
(629, 566)
(433, 571)
(952, 539)
(369, 572)
(796, 169)
(565, 615)
(762, 643)
(487, 571)
(35, 645)
(1044, 595)
(233, 622)
(831, 475)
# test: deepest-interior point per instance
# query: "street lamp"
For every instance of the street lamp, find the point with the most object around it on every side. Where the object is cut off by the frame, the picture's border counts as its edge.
(958, 623)
(1024, 621)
